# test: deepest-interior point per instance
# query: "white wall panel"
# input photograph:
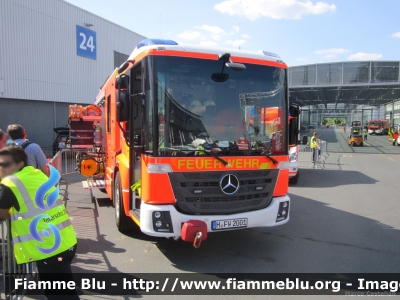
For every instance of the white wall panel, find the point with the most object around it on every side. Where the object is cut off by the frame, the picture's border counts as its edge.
(38, 58)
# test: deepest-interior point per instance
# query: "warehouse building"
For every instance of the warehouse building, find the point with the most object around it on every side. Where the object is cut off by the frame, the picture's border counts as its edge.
(53, 54)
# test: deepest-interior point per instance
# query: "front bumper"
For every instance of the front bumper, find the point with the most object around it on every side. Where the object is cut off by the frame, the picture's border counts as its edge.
(293, 168)
(376, 131)
(266, 217)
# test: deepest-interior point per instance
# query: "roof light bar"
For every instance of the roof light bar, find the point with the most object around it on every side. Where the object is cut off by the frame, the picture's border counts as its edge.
(149, 42)
(270, 54)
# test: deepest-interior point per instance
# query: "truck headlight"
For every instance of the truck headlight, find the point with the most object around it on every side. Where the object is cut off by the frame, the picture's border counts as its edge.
(283, 211)
(293, 157)
(162, 221)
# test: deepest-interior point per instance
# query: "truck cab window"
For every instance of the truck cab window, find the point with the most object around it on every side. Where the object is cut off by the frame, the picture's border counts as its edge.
(136, 88)
(108, 114)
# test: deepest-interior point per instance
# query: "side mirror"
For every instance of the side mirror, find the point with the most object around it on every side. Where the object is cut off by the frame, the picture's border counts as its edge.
(219, 77)
(235, 66)
(294, 110)
(123, 106)
(122, 82)
(293, 131)
(305, 140)
(123, 103)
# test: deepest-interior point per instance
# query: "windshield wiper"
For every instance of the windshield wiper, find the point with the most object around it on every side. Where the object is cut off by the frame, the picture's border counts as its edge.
(274, 161)
(216, 157)
(271, 159)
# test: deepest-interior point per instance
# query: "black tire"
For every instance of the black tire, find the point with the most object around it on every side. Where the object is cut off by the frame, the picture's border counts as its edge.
(295, 179)
(123, 222)
(103, 190)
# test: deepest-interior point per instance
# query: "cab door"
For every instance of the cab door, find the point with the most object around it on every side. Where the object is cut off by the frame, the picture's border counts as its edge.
(111, 135)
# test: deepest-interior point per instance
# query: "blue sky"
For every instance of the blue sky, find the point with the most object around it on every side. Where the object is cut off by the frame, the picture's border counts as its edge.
(299, 31)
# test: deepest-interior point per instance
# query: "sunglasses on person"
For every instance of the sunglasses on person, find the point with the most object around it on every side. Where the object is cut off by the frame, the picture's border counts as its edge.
(6, 164)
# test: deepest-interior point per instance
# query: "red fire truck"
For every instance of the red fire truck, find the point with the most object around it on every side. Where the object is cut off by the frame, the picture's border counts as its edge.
(195, 140)
(378, 127)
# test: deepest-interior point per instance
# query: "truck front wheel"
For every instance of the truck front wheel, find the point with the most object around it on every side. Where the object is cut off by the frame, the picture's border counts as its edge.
(295, 178)
(124, 223)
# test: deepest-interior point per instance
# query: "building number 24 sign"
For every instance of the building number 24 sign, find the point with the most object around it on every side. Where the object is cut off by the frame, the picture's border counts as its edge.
(85, 42)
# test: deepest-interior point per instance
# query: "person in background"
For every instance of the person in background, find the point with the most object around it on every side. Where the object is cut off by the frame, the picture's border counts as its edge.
(36, 157)
(314, 145)
(365, 134)
(3, 139)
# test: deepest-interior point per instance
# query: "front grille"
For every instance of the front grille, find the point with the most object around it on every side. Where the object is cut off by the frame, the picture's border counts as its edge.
(200, 192)
(217, 175)
(221, 207)
(226, 199)
(215, 190)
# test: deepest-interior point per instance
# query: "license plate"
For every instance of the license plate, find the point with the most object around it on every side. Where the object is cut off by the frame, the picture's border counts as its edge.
(226, 224)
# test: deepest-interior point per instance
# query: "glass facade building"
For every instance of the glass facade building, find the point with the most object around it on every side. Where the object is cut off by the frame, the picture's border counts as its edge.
(346, 87)
(345, 73)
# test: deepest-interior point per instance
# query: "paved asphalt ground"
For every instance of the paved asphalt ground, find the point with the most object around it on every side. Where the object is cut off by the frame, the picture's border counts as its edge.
(344, 218)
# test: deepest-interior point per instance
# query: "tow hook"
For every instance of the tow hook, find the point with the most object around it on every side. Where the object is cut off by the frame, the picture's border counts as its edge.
(194, 231)
(197, 240)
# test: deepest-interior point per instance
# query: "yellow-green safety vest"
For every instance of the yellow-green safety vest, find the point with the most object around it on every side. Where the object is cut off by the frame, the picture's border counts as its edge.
(313, 142)
(390, 133)
(41, 228)
(201, 152)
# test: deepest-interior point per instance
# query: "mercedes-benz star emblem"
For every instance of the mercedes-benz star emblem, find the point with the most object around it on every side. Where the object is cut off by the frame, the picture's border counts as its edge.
(229, 184)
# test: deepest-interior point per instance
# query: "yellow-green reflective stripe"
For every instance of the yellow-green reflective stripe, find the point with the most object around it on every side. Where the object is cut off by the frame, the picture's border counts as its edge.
(33, 212)
(28, 237)
(23, 191)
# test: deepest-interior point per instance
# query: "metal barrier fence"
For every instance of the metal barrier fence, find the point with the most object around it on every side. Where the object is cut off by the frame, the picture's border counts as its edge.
(306, 153)
(324, 148)
(65, 161)
(10, 268)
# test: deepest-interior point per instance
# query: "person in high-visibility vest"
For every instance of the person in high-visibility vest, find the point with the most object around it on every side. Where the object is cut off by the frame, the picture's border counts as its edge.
(41, 229)
(314, 145)
(201, 148)
(365, 134)
(390, 133)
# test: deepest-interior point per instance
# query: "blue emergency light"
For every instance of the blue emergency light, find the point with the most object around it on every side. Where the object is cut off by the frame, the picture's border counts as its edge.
(270, 54)
(149, 42)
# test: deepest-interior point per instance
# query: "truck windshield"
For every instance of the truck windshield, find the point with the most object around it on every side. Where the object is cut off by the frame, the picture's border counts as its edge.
(245, 115)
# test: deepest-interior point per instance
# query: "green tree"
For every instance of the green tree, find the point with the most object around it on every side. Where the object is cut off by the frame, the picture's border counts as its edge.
(337, 121)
